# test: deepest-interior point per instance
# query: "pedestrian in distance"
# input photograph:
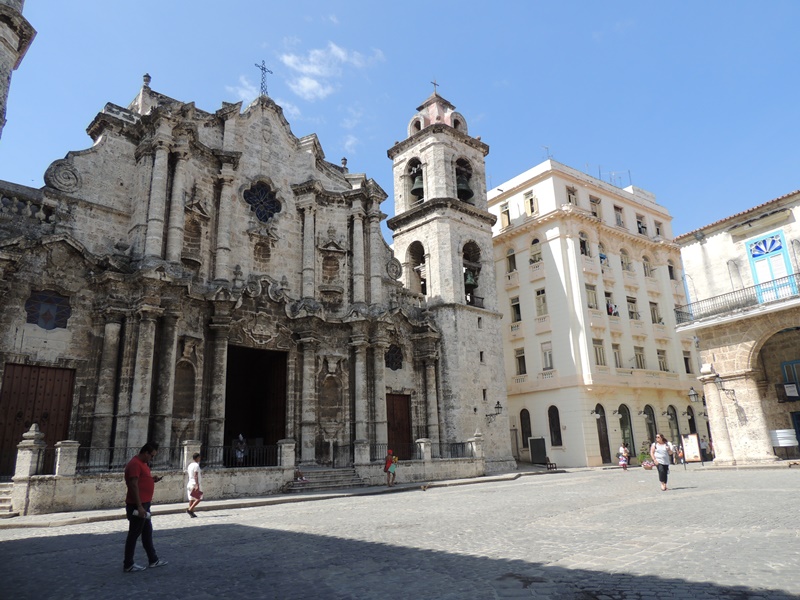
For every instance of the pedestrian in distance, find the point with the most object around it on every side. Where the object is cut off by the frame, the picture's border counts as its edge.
(660, 452)
(704, 448)
(624, 455)
(393, 470)
(193, 491)
(387, 464)
(141, 485)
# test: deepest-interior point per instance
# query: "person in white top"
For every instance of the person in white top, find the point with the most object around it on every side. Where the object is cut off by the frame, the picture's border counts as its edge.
(193, 491)
(660, 452)
(624, 456)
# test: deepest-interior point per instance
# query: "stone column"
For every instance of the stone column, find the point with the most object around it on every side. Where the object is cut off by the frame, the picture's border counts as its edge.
(224, 218)
(220, 328)
(67, 457)
(139, 418)
(30, 454)
(358, 256)
(158, 202)
(432, 400)
(162, 422)
(286, 452)
(376, 268)
(188, 450)
(308, 408)
(379, 364)
(362, 454)
(176, 210)
(106, 383)
(359, 345)
(752, 442)
(717, 420)
(309, 253)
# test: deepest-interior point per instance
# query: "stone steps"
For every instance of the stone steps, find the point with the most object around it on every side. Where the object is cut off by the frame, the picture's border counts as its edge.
(320, 480)
(5, 499)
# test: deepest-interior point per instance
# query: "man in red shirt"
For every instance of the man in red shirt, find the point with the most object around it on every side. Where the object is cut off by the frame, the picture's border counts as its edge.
(141, 485)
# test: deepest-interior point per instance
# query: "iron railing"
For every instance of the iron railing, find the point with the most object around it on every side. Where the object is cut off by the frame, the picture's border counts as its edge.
(452, 450)
(762, 293)
(217, 457)
(111, 460)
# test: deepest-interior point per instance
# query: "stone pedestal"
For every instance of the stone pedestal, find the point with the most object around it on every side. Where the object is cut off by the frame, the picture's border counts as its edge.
(286, 453)
(424, 445)
(188, 449)
(67, 457)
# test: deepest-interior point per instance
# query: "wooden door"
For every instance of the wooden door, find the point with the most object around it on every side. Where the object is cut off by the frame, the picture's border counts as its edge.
(30, 394)
(398, 415)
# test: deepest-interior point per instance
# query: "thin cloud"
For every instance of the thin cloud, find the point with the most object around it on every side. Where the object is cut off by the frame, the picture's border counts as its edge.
(353, 119)
(315, 70)
(290, 111)
(245, 91)
(350, 143)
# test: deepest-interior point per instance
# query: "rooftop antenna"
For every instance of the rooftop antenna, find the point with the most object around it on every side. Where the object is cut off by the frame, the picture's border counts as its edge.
(264, 70)
(547, 152)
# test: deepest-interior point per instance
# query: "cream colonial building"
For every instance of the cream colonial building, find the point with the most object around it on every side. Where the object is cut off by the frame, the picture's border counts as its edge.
(588, 277)
(742, 277)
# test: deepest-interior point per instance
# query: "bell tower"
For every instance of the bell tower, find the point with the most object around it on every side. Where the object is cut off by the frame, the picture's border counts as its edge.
(443, 238)
(16, 35)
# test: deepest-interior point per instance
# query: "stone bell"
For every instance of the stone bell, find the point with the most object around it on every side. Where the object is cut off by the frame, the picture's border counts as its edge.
(463, 191)
(470, 283)
(417, 189)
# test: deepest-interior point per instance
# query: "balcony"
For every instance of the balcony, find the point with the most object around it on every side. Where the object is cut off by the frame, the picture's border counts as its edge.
(517, 330)
(512, 279)
(536, 270)
(475, 301)
(762, 294)
(541, 324)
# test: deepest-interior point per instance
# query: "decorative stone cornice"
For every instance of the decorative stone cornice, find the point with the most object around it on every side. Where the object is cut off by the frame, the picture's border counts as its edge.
(423, 209)
(432, 130)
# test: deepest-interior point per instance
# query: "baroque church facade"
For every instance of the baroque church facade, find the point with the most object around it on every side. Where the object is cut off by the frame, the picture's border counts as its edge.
(199, 275)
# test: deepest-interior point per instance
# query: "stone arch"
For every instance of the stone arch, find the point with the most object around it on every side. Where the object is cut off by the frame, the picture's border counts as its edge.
(416, 274)
(759, 332)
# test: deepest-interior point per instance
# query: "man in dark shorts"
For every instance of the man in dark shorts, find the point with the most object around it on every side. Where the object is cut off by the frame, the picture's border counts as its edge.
(141, 485)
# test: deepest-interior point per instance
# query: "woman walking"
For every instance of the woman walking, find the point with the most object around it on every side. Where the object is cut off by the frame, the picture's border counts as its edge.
(660, 452)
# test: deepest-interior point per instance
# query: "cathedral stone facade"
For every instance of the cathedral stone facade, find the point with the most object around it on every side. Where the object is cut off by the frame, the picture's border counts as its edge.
(203, 275)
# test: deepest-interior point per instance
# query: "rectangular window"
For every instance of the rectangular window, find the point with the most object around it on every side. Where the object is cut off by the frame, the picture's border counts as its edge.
(633, 309)
(480, 355)
(617, 355)
(638, 354)
(662, 360)
(596, 207)
(641, 227)
(541, 303)
(655, 315)
(519, 357)
(531, 204)
(591, 296)
(618, 216)
(687, 361)
(547, 356)
(658, 227)
(572, 195)
(505, 215)
(516, 311)
(599, 353)
(611, 308)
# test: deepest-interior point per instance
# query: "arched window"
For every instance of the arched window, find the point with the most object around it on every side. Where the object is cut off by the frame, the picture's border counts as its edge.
(536, 251)
(555, 426)
(647, 266)
(625, 260)
(464, 180)
(674, 426)
(650, 423)
(511, 261)
(525, 425)
(584, 244)
(471, 263)
(416, 181)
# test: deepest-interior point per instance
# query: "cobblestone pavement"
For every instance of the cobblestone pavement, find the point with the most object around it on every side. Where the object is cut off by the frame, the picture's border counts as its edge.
(600, 534)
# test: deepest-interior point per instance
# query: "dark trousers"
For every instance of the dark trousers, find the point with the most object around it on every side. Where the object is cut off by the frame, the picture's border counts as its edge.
(139, 527)
(663, 471)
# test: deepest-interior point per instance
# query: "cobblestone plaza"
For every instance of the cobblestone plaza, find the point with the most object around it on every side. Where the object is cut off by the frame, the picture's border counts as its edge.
(590, 534)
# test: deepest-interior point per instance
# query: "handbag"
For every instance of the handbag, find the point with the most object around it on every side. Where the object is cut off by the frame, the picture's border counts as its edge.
(196, 494)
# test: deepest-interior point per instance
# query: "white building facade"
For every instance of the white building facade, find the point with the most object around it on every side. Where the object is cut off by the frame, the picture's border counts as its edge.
(744, 309)
(588, 278)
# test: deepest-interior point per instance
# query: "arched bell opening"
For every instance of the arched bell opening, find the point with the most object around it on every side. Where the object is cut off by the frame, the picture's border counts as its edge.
(464, 181)
(416, 273)
(415, 181)
(471, 265)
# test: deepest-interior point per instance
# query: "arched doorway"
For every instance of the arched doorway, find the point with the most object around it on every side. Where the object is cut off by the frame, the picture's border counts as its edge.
(650, 423)
(690, 418)
(626, 427)
(602, 434)
(674, 426)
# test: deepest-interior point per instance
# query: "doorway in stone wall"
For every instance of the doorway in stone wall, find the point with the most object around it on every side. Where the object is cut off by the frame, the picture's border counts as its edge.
(398, 416)
(31, 394)
(255, 405)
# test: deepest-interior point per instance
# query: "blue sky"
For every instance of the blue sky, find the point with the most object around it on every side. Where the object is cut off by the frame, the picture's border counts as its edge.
(697, 101)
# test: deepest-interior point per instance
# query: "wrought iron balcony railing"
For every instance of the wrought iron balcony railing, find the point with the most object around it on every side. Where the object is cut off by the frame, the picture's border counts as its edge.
(763, 293)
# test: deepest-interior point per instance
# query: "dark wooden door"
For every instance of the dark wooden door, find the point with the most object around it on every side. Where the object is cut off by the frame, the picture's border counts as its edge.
(602, 435)
(30, 394)
(398, 415)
